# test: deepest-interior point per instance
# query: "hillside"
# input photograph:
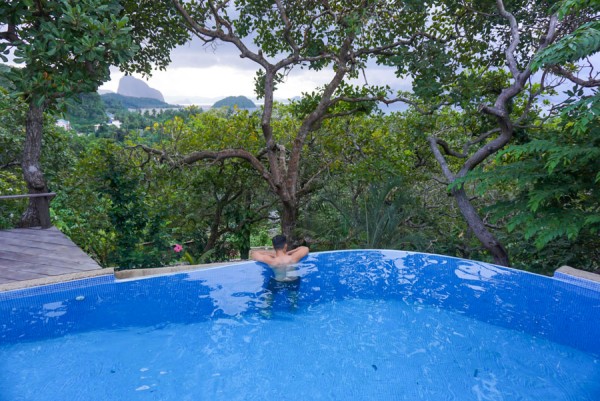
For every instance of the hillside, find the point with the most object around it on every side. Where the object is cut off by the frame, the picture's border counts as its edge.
(133, 87)
(117, 101)
(241, 102)
(85, 110)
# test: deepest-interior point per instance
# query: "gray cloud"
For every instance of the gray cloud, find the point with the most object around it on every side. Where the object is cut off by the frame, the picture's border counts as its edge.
(196, 54)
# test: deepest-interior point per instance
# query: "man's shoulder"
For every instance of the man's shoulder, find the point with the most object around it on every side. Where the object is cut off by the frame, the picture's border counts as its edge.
(262, 256)
(300, 252)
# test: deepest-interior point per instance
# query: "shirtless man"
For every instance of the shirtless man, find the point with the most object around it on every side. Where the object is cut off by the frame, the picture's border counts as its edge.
(283, 264)
(283, 261)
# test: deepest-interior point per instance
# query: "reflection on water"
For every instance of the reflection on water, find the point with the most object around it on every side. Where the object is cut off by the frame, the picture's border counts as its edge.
(232, 291)
(468, 270)
(284, 291)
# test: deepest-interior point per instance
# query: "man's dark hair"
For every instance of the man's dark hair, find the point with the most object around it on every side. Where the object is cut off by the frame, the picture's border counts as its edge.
(279, 241)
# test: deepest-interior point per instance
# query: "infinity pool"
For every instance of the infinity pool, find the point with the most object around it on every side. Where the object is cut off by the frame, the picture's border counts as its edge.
(361, 325)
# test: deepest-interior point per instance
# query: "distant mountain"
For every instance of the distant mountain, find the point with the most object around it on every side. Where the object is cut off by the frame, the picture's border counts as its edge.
(241, 102)
(116, 101)
(133, 87)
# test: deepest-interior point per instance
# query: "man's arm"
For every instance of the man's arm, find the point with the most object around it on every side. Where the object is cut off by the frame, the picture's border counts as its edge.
(298, 253)
(262, 256)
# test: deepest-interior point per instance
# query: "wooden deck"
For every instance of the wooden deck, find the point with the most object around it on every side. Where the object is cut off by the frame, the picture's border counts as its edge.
(35, 253)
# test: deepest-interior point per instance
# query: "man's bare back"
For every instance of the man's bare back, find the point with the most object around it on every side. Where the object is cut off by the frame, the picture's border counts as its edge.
(282, 261)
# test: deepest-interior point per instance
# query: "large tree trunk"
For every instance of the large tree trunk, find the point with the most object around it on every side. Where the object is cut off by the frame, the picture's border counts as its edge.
(32, 172)
(476, 224)
(214, 227)
(289, 219)
(468, 211)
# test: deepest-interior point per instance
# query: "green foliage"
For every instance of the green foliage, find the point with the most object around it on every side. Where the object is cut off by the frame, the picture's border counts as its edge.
(65, 47)
(84, 111)
(103, 207)
(127, 212)
(10, 210)
(12, 132)
(366, 179)
(585, 40)
(115, 101)
(555, 184)
(582, 42)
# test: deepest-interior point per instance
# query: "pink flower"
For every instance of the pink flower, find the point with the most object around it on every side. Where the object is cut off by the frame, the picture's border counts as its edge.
(177, 248)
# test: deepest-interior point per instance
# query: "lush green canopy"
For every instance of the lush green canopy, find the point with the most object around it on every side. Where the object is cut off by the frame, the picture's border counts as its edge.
(486, 163)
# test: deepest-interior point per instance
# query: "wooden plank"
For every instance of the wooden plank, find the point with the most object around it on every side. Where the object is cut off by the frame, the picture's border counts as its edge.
(27, 235)
(17, 275)
(46, 270)
(75, 255)
(35, 253)
(37, 245)
(7, 259)
(50, 236)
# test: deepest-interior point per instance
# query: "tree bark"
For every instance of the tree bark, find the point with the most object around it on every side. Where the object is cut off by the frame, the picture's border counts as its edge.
(476, 224)
(30, 164)
(289, 219)
(472, 218)
(214, 227)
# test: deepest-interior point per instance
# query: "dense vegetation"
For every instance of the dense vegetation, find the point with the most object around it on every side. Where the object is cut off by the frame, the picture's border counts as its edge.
(88, 113)
(114, 100)
(482, 165)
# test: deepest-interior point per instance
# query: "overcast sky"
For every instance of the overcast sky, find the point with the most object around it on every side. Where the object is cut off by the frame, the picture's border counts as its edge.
(201, 75)
(204, 74)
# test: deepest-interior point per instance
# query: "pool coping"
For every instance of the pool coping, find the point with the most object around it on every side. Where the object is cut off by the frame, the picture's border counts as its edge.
(578, 277)
(156, 271)
(564, 273)
(62, 278)
(118, 274)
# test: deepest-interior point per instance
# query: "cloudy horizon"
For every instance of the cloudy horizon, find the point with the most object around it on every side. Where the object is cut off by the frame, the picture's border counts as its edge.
(207, 73)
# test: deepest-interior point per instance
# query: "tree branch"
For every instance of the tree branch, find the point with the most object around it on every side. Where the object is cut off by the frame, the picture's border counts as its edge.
(389, 101)
(433, 144)
(202, 32)
(560, 71)
(307, 187)
(448, 150)
(514, 41)
(319, 112)
(10, 35)
(214, 156)
(10, 164)
(288, 27)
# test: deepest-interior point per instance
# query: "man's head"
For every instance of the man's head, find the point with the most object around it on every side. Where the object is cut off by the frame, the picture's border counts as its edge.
(279, 242)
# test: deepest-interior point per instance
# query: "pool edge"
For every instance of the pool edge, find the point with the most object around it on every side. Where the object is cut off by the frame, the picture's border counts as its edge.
(62, 278)
(119, 275)
(578, 277)
(136, 274)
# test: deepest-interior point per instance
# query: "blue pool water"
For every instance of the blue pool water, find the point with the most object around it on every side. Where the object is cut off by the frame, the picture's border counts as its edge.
(363, 325)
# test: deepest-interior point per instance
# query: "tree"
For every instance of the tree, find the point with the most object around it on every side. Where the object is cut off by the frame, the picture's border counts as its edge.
(220, 203)
(557, 196)
(491, 46)
(66, 48)
(11, 145)
(280, 36)
(84, 111)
